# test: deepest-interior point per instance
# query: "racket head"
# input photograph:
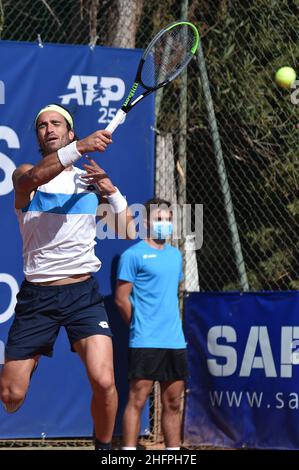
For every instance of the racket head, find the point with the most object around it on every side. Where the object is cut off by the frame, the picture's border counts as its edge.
(169, 52)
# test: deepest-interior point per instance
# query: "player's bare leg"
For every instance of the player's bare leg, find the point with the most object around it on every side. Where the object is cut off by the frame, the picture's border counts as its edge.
(171, 393)
(97, 354)
(138, 394)
(14, 382)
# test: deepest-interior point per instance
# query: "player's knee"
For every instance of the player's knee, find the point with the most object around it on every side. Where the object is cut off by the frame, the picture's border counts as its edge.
(173, 405)
(139, 402)
(104, 383)
(10, 394)
(137, 399)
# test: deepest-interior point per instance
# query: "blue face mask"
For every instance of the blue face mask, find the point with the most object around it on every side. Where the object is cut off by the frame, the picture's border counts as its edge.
(162, 229)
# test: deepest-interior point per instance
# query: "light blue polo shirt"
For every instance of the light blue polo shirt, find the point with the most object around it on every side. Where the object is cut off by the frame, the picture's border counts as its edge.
(155, 275)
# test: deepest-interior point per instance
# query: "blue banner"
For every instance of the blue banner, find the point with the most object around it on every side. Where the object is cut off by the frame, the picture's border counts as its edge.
(243, 351)
(93, 84)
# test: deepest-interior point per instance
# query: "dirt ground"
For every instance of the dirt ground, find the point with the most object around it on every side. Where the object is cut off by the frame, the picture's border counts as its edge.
(73, 444)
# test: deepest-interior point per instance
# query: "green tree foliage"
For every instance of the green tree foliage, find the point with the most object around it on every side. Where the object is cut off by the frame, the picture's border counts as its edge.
(244, 44)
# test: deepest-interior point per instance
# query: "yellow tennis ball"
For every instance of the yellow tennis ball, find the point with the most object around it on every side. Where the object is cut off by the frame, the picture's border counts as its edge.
(285, 77)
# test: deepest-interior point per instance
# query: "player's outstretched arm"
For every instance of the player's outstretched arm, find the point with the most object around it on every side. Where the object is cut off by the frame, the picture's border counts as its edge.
(27, 180)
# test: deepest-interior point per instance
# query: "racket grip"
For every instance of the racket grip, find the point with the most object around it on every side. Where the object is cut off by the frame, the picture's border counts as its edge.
(118, 118)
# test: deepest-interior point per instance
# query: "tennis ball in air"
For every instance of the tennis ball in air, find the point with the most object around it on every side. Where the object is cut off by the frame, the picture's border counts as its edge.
(285, 77)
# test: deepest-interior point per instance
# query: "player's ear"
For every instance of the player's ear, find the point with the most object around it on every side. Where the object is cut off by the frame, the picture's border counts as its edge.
(71, 135)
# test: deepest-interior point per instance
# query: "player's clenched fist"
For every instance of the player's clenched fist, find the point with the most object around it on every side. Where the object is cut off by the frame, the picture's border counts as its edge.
(96, 142)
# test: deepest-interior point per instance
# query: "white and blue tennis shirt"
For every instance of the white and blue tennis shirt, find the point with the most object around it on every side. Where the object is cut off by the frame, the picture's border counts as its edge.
(58, 228)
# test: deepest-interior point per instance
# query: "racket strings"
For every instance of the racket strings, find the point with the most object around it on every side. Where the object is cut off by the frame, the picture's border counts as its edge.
(170, 53)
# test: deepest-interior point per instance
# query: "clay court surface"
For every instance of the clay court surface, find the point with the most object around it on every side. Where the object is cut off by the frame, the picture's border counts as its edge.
(75, 444)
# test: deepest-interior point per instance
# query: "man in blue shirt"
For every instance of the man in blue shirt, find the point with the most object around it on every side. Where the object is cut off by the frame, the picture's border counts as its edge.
(147, 297)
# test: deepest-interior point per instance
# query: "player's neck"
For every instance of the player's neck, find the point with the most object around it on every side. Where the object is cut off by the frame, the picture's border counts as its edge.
(158, 244)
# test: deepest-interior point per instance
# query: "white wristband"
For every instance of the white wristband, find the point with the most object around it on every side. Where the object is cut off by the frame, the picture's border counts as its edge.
(69, 154)
(117, 202)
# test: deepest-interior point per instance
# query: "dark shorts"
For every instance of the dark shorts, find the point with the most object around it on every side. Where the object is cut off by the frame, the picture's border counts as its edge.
(158, 364)
(42, 310)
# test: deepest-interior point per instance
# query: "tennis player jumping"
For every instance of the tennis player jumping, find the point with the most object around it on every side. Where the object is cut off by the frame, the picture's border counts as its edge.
(56, 206)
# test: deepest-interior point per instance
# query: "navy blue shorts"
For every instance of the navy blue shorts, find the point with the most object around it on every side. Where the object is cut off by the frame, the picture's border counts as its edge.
(42, 310)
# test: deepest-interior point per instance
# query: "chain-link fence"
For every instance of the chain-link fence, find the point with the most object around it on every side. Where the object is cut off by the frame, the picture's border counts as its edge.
(247, 180)
(245, 43)
(225, 139)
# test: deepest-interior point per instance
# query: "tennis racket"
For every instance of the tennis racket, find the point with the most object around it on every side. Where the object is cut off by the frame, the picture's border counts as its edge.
(164, 59)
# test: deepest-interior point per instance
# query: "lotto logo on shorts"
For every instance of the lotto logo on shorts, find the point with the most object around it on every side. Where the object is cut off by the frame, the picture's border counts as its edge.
(103, 324)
